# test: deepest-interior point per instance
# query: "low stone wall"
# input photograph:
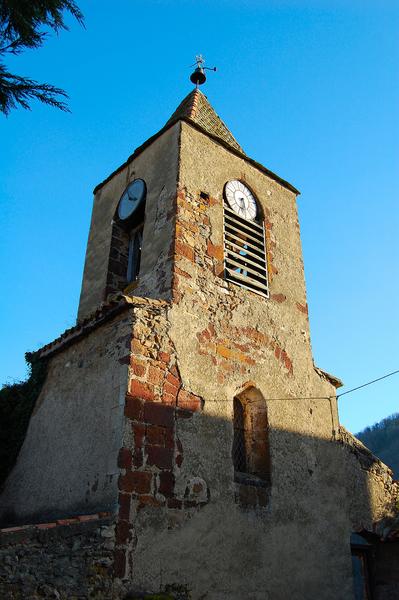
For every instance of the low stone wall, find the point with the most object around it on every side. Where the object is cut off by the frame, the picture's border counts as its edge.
(70, 559)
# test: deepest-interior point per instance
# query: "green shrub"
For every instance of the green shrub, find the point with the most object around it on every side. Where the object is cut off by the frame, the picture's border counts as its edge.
(16, 405)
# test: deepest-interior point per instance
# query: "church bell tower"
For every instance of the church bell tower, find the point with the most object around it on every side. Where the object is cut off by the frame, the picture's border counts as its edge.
(185, 401)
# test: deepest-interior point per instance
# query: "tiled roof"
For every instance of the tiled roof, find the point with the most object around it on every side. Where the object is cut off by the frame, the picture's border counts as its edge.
(113, 305)
(196, 108)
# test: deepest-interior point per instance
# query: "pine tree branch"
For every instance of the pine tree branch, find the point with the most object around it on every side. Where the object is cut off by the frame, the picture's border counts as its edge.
(23, 18)
(20, 91)
(21, 27)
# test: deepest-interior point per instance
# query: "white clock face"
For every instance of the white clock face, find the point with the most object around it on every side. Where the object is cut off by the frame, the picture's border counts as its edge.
(131, 199)
(241, 199)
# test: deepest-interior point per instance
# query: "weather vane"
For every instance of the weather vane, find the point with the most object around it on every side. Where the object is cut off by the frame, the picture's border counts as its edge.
(198, 76)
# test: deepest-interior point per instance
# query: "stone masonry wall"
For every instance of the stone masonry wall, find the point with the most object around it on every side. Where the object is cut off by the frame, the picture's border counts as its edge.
(157, 164)
(157, 403)
(181, 521)
(70, 559)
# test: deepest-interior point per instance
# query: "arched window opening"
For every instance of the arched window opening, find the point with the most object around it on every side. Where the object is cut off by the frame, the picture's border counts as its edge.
(251, 448)
(239, 451)
(244, 239)
(127, 238)
(134, 254)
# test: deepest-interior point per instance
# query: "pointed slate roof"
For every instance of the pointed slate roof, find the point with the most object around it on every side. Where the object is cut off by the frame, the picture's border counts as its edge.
(196, 108)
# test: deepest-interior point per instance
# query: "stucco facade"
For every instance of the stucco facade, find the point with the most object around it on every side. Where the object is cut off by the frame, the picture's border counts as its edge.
(145, 387)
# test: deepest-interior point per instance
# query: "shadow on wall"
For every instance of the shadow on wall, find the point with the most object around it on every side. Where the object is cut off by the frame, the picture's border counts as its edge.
(281, 505)
(286, 518)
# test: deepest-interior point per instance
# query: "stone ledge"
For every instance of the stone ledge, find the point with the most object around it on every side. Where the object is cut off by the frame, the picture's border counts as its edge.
(115, 304)
(100, 516)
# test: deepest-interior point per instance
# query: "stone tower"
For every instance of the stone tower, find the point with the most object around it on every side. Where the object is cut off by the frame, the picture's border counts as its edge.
(186, 401)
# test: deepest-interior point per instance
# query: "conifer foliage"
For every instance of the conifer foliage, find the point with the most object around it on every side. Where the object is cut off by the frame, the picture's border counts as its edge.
(24, 24)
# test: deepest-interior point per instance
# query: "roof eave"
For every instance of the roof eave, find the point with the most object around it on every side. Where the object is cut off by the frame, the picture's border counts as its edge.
(216, 139)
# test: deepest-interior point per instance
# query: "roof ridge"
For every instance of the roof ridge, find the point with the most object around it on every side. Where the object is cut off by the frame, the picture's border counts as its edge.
(195, 107)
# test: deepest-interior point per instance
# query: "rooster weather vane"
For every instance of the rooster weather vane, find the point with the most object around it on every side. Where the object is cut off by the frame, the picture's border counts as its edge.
(198, 77)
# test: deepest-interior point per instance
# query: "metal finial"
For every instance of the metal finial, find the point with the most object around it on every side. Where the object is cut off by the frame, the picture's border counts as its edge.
(198, 76)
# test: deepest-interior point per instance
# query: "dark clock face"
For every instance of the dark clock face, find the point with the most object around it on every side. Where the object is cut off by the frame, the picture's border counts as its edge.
(131, 199)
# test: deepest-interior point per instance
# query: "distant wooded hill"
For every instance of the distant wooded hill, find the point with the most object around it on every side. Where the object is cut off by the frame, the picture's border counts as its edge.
(383, 440)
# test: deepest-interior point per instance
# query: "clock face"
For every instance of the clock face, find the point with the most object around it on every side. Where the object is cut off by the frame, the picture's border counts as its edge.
(241, 199)
(131, 199)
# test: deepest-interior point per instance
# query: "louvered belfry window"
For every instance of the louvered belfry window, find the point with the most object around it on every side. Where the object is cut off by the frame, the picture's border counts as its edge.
(245, 252)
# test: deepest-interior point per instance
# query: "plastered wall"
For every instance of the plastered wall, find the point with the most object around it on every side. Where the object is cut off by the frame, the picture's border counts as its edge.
(157, 165)
(68, 462)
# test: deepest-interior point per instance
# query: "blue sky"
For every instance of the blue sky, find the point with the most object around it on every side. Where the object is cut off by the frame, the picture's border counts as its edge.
(309, 89)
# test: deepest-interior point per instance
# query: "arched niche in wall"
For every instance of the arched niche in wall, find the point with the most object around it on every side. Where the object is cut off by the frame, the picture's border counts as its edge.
(126, 238)
(251, 448)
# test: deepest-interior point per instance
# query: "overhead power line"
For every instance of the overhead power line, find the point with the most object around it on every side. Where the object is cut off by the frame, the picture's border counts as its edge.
(368, 383)
(337, 395)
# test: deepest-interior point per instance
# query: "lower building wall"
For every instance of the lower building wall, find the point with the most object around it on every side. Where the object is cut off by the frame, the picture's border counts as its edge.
(186, 522)
(66, 559)
(68, 462)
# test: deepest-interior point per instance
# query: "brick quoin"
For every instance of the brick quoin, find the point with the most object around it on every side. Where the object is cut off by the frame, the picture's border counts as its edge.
(169, 399)
(189, 401)
(134, 408)
(184, 250)
(164, 357)
(138, 458)
(139, 434)
(123, 532)
(156, 435)
(170, 389)
(137, 481)
(124, 506)
(149, 501)
(215, 251)
(138, 368)
(159, 414)
(141, 390)
(173, 380)
(120, 563)
(155, 375)
(166, 483)
(124, 459)
(160, 457)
